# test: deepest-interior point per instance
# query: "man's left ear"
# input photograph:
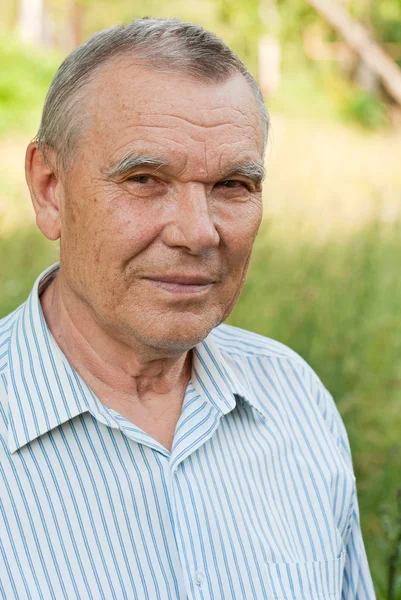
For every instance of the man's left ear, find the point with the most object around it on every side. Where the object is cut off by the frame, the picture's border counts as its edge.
(43, 187)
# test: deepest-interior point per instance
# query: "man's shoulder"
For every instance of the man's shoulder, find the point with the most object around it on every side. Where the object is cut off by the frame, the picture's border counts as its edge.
(274, 374)
(266, 364)
(7, 322)
(236, 341)
(6, 327)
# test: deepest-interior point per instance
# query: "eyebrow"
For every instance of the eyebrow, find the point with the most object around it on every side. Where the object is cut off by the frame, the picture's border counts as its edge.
(131, 160)
(253, 170)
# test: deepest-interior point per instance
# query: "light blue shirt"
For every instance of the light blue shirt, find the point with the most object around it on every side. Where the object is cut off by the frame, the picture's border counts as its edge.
(256, 499)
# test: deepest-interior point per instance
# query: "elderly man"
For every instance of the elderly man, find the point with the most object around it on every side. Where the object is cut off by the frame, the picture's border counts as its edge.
(148, 451)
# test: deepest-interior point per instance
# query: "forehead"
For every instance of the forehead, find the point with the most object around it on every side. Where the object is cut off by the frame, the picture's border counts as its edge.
(198, 125)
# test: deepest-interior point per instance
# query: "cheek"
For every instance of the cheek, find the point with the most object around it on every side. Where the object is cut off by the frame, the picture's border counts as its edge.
(108, 231)
(238, 231)
(129, 231)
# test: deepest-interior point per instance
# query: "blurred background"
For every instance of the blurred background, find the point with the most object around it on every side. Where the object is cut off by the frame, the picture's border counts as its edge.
(325, 277)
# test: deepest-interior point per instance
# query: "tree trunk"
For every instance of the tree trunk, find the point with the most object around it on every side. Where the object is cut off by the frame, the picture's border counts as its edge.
(269, 65)
(77, 22)
(360, 40)
(269, 49)
(30, 22)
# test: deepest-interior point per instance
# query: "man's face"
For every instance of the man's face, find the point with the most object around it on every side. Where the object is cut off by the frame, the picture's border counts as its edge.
(159, 251)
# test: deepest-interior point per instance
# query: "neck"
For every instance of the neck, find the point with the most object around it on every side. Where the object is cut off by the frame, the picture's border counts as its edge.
(113, 369)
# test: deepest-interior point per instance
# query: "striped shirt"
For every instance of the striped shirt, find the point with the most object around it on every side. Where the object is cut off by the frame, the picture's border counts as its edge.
(256, 499)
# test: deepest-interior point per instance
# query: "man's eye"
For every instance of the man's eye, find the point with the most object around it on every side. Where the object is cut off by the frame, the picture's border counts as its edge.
(140, 178)
(231, 183)
(235, 184)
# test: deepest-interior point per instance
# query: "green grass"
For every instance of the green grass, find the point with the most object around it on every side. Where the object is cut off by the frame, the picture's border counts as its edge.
(25, 75)
(25, 254)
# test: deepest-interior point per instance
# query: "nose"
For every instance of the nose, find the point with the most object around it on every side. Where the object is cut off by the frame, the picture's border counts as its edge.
(191, 225)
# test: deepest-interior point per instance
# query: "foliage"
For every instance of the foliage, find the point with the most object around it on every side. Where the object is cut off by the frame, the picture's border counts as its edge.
(364, 108)
(383, 17)
(25, 75)
(391, 519)
(308, 87)
(27, 252)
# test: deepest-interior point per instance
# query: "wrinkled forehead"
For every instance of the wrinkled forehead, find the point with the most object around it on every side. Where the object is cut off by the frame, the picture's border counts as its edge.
(136, 109)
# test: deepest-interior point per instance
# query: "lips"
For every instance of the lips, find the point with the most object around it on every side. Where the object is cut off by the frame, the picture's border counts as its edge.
(183, 279)
(180, 285)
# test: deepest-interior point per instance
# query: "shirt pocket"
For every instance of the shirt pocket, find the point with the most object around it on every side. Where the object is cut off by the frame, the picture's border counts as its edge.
(317, 580)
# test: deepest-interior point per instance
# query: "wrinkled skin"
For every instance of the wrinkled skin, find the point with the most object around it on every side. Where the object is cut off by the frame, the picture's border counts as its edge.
(117, 231)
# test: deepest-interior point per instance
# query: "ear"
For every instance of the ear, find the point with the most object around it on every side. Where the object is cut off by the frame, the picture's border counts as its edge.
(43, 187)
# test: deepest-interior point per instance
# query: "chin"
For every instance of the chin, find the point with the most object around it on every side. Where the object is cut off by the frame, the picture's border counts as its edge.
(179, 337)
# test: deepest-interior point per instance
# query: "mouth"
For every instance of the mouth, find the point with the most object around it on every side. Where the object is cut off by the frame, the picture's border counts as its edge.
(182, 284)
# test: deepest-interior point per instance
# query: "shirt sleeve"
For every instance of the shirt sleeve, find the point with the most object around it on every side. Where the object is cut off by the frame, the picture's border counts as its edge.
(357, 581)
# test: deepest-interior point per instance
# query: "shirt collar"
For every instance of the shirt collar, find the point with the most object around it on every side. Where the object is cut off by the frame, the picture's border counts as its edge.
(39, 376)
(213, 378)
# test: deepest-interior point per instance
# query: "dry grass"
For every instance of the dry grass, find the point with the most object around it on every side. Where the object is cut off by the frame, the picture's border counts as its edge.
(331, 179)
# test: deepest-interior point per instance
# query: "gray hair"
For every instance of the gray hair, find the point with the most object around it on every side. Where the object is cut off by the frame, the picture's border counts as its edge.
(162, 44)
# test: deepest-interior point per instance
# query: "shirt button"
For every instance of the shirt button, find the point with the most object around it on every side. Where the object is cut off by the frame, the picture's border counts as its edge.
(199, 578)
